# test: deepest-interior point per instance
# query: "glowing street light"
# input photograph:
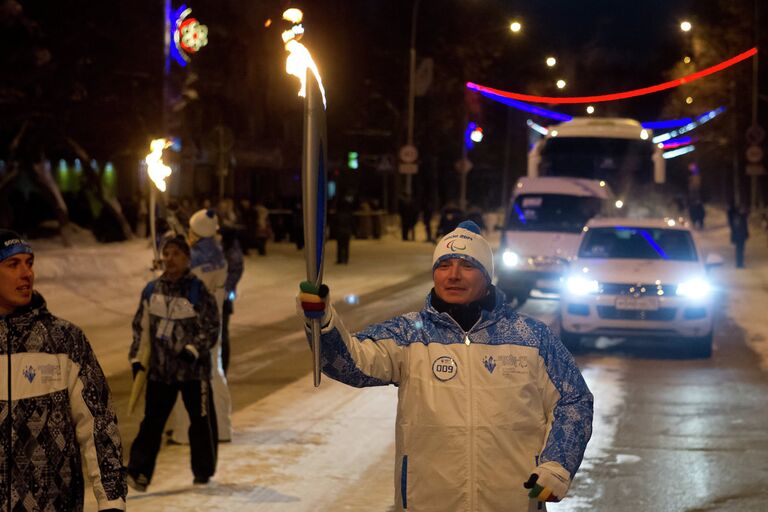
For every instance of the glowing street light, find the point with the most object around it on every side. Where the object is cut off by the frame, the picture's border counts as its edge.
(686, 60)
(686, 26)
(551, 61)
(560, 84)
(515, 26)
(590, 109)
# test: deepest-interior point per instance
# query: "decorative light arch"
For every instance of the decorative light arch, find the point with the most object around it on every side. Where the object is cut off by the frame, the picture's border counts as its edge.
(620, 95)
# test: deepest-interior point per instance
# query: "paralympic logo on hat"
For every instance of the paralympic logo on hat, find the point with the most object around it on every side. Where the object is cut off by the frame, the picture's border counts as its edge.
(454, 246)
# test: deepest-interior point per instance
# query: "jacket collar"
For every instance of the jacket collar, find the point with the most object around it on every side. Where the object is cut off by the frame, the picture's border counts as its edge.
(26, 313)
(488, 315)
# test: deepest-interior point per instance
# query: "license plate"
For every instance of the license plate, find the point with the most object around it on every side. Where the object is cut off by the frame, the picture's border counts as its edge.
(637, 303)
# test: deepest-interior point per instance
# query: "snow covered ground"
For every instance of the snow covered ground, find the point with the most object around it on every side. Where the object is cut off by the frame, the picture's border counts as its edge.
(293, 450)
(748, 287)
(290, 450)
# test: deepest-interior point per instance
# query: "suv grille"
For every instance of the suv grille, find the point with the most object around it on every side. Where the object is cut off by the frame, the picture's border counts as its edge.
(611, 313)
(637, 290)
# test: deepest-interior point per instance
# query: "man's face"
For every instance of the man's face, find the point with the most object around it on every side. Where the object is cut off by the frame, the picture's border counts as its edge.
(16, 280)
(457, 281)
(176, 261)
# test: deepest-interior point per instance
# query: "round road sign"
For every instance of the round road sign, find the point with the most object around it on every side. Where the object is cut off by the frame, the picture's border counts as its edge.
(754, 154)
(755, 134)
(408, 154)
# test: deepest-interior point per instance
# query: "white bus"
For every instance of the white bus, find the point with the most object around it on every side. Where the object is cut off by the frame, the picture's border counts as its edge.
(616, 150)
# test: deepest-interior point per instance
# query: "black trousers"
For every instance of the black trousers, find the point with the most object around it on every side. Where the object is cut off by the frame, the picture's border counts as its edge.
(342, 248)
(198, 401)
(739, 254)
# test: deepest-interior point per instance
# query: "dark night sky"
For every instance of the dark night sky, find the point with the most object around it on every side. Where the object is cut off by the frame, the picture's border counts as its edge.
(602, 46)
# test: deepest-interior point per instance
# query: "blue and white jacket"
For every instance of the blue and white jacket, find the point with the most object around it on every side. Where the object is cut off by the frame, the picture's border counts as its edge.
(62, 415)
(477, 410)
(208, 263)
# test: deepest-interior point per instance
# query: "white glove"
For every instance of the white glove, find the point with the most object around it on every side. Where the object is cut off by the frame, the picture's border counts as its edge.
(548, 482)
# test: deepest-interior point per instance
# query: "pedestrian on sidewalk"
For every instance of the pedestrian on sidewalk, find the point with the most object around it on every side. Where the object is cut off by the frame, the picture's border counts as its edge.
(209, 264)
(739, 221)
(343, 227)
(60, 404)
(263, 228)
(176, 323)
(426, 217)
(492, 410)
(408, 217)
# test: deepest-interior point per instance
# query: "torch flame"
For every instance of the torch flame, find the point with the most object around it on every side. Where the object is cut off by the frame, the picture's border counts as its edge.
(156, 169)
(299, 59)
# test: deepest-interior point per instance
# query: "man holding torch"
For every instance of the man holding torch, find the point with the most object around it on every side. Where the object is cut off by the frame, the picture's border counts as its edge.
(493, 413)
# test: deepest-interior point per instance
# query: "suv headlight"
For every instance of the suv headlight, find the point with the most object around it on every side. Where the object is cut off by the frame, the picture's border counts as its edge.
(696, 288)
(578, 285)
(510, 259)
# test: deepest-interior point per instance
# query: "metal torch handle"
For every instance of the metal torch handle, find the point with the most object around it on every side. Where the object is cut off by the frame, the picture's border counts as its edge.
(314, 189)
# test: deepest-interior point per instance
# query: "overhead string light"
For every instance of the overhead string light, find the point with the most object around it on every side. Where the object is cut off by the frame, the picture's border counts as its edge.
(559, 116)
(620, 95)
(678, 152)
(700, 120)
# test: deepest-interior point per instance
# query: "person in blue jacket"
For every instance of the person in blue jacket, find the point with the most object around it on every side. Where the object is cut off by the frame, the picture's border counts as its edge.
(493, 413)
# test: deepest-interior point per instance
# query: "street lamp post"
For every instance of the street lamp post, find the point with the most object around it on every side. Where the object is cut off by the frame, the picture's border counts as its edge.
(411, 88)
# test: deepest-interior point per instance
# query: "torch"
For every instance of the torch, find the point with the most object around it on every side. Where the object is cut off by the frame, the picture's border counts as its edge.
(313, 164)
(157, 172)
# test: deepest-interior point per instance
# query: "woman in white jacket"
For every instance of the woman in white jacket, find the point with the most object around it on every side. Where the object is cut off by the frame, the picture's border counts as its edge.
(487, 397)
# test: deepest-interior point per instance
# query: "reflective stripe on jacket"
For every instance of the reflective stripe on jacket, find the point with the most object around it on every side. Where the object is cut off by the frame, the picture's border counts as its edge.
(477, 411)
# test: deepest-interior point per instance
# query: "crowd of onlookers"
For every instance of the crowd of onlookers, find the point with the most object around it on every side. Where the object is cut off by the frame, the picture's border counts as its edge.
(257, 224)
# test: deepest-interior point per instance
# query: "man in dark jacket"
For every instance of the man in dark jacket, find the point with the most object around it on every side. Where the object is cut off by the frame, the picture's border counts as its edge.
(176, 324)
(62, 410)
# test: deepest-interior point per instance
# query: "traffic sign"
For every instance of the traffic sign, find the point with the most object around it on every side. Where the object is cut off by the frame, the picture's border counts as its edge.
(755, 134)
(386, 163)
(755, 169)
(463, 165)
(408, 168)
(754, 154)
(408, 154)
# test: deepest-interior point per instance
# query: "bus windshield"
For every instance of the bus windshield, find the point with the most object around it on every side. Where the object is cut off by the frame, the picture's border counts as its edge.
(552, 212)
(617, 161)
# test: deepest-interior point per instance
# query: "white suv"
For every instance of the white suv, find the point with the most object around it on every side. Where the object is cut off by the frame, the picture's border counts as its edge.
(638, 277)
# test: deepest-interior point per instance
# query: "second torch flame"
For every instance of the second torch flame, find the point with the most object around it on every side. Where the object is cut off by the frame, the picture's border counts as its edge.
(156, 169)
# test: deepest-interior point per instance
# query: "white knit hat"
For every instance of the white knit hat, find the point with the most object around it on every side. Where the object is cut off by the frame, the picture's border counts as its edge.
(467, 243)
(204, 223)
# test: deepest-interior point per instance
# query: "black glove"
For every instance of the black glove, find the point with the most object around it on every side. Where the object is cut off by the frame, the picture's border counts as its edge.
(137, 367)
(187, 355)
